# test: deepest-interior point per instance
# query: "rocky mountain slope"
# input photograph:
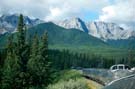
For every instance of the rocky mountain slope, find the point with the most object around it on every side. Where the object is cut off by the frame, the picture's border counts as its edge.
(102, 30)
(8, 22)
(60, 36)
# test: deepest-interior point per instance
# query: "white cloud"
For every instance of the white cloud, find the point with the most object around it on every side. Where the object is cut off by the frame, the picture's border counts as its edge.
(45, 9)
(108, 12)
(74, 8)
(54, 13)
(122, 12)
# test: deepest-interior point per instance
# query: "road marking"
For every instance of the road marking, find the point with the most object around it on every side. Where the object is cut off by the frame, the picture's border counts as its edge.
(133, 75)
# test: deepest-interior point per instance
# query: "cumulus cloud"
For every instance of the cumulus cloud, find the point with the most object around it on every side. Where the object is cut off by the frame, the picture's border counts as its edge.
(122, 12)
(51, 9)
(54, 14)
(108, 13)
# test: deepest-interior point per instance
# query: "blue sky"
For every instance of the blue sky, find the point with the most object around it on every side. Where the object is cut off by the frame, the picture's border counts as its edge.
(94, 15)
(90, 15)
(112, 1)
(116, 11)
(88, 10)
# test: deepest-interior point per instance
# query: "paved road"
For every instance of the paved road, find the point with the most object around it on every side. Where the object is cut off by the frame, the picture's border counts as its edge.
(123, 83)
(115, 80)
(102, 74)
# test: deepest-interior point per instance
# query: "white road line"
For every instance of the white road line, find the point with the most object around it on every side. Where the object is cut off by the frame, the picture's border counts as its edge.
(121, 79)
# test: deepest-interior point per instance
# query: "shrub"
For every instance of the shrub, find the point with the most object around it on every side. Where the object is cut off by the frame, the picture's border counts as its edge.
(71, 84)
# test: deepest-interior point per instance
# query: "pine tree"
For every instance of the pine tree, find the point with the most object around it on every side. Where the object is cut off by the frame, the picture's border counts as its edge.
(22, 52)
(21, 44)
(45, 70)
(10, 67)
(33, 62)
(39, 65)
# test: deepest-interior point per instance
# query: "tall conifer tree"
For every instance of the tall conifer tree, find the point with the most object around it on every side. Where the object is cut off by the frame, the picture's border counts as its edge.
(39, 64)
(10, 66)
(21, 44)
(33, 62)
(22, 55)
(45, 65)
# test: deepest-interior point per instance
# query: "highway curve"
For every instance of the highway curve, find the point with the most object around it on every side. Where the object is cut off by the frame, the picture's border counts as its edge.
(123, 83)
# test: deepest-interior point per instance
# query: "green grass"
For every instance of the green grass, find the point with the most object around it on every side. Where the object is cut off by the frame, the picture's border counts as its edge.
(71, 84)
(68, 74)
(69, 79)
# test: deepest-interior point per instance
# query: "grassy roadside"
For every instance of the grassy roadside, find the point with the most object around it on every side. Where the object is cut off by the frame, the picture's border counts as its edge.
(73, 79)
(69, 79)
(93, 85)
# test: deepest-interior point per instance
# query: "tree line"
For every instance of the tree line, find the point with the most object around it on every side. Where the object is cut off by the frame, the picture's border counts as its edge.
(65, 59)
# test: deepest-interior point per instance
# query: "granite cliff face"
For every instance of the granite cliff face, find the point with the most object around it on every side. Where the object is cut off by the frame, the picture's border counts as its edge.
(8, 22)
(102, 30)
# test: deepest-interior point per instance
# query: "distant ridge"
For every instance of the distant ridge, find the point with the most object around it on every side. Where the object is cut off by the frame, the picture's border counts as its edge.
(99, 29)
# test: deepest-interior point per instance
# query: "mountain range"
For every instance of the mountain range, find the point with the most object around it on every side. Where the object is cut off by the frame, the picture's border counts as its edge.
(8, 22)
(76, 36)
(99, 29)
(111, 33)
